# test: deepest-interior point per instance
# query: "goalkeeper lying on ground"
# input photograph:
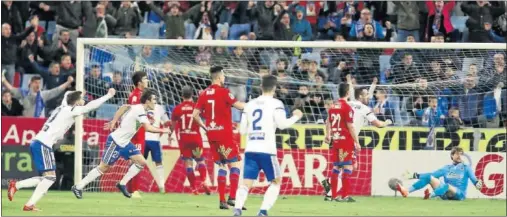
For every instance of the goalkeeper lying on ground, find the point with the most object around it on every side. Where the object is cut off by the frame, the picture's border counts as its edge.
(454, 186)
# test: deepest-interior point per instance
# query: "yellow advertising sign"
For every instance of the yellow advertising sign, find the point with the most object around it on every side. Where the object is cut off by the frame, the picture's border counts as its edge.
(311, 136)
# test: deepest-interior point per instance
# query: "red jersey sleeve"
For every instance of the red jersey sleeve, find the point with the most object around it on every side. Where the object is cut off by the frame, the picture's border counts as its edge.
(175, 114)
(200, 103)
(229, 98)
(135, 97)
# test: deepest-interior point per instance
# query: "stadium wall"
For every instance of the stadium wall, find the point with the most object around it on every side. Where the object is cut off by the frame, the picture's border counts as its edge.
(303, 157)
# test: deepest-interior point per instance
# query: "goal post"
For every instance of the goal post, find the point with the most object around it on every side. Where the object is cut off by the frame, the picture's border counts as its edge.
(363, 58)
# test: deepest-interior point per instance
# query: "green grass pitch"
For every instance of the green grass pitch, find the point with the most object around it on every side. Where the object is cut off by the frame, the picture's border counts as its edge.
(60, 203)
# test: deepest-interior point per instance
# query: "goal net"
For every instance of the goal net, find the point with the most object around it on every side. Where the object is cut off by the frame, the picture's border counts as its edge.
(418, 86)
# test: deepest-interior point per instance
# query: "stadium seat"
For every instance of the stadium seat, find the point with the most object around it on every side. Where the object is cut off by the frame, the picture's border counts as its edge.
(106, 111)
(458, 22)
(100, 56)
(489, 108)
(149, 30)
(153, 17)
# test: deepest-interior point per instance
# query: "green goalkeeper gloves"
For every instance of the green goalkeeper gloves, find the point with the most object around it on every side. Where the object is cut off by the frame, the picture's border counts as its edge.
(478, 185)
(409, 175)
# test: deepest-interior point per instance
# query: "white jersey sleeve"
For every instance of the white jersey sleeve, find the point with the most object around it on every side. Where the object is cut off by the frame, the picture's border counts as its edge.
(263, 115)
(56, 126)
(79, 110)
(157, 117)
(362, 115)
(131, 121)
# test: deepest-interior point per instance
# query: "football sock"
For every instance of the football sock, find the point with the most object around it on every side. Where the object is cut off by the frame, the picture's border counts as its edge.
(191, 177)
(334, 183)
(424, 179)
(234, 178)
(222, 182)
(92, 175)
(346, 182)
(203, 172)
(161, 178)
(270, 196)
(241, 196)
(28, 183)
(133, 171)
(41, 189)
(440, 190)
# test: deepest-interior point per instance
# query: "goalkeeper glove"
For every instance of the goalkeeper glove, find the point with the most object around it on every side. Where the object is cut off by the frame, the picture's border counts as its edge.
(478, 185)
(409, 175)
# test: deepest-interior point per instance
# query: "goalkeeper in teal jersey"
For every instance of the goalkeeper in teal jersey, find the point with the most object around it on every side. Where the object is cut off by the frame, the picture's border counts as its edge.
(454, 185)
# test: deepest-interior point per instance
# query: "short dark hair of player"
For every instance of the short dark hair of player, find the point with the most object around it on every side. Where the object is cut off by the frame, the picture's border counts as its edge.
(73, 97)
(358, 92)
(457, 149)
(187, 92)
(147, 94)
(343, 89)
(35, 78)
(268, 83)
(214, 71)
(138, 77)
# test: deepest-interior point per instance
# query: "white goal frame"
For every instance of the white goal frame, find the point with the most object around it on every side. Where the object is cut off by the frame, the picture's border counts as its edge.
(80, 62)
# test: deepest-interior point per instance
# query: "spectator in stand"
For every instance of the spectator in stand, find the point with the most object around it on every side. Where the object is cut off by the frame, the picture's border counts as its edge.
(283, 29)
(357, 27)
(98, 24)
(383, 109)
(265, 16)
(311, 9)
(281, 64)
(496, 73)
(31, 46)
(439, 20)
(479, 14)
(174, 19)
(10, 106)
(240, 22)
(66, 66)
(109, 7)
(12, 16)
(398, 54)
(146, 57)
(320, 88)
(450, 72)
(121, 89)
(432, 116)
(408, 19)
(406, 72)
(301, 99)
(470, 103)
(313, 72)
(329, 23)
(39, 30)
(300, 25)
(64, 45)
(492, 35)
(368, 34)
(34, 98)
(473, 70)
(206, 27)
(10, 45)
(128, 18)
(70, 16)
(203, 56)
(340, 72)
(94, 85)
(38, 8)
(453, 123)
(435, 71)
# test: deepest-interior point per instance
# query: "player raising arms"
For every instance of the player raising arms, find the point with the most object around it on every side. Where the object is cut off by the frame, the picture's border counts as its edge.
(259, 121)
(41, 146)
(158, 117)
(455, 184)
(118, 143)
(140, 80)
(215, 104)
(340, 133)
(189, 139)
(362, 116)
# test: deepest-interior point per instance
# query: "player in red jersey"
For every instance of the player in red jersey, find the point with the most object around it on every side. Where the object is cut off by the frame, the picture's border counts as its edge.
(340, 133)
(215, 104)
(189, 139)
(140, 80)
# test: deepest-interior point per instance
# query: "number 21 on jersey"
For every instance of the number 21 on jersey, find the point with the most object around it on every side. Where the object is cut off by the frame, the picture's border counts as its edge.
(335, 126)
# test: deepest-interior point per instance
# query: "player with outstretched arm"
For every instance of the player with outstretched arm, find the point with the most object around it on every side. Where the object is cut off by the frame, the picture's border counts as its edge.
(341, 134)
(118, 143)
(362, 116)
(189, 140)
(454, 185)
(214, 105)
(259, 121)
(41, 146)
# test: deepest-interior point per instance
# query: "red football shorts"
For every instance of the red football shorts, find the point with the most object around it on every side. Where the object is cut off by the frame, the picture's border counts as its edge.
(190, 146)
(224, 151)
(343, 153)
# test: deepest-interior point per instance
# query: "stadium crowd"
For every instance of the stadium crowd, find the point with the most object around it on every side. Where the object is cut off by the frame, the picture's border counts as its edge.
(39, 54)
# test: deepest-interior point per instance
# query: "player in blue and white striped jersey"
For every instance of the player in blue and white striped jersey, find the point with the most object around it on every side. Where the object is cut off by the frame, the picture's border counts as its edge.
(260, 119)
(41, 146)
